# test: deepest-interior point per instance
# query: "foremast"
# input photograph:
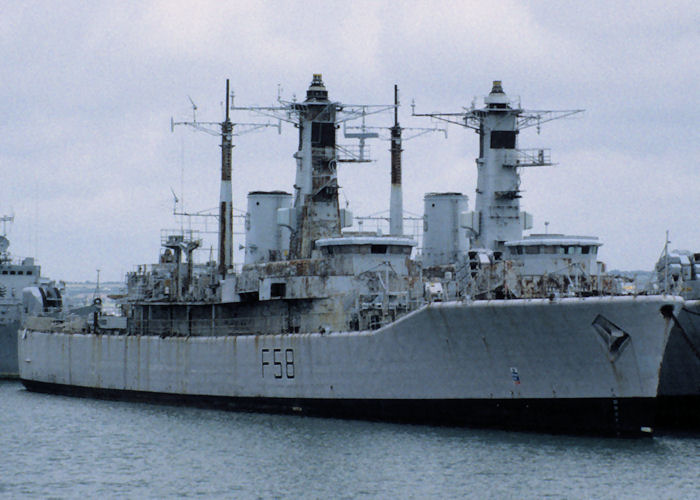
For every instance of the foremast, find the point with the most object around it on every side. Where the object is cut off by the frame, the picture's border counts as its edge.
(225, 129)
(316, 209)
(316, 213)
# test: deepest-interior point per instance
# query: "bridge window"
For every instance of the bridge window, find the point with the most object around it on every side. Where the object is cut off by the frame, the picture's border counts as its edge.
(378, 248)
(400, 250)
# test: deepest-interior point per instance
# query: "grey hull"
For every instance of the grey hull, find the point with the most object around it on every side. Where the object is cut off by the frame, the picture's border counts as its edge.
(507, 363)
(8, 350)
(607, 416)
(679, 386)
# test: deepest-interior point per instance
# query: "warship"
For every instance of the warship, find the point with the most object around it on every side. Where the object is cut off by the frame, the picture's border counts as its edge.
(485, 326)
(20, 278)
(678, 273)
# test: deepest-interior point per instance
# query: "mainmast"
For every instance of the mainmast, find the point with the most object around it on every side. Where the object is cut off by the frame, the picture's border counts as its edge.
(396, 137)
(226, 195)
(396, 202)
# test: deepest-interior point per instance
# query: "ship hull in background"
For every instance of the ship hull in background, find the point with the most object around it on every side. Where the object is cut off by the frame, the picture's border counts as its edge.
(9, 368)
(679, 386)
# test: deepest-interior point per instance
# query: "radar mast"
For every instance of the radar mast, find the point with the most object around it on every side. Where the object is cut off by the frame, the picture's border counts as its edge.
(497, 217)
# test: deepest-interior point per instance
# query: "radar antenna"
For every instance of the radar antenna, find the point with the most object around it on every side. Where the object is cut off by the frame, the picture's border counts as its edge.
(5, 219)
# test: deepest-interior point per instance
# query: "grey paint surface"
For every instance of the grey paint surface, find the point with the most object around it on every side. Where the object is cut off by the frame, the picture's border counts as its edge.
(445, 350)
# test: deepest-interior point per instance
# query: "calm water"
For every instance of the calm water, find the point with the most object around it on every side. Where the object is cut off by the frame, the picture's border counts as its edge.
(60, 447)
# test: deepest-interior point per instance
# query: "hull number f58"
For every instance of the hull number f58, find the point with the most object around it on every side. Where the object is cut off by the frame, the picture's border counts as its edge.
(277, 362)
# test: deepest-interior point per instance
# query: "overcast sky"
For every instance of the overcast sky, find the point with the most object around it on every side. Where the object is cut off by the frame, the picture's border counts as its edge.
(88, 161)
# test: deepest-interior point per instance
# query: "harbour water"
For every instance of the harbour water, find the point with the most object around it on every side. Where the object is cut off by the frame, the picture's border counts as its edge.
(61, 447)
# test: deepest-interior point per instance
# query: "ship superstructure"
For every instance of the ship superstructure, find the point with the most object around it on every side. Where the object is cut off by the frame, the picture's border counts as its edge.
(497, 217)
(301, 273)
(22, 291)
(316, 212)
(326, 321)
(678, 272)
